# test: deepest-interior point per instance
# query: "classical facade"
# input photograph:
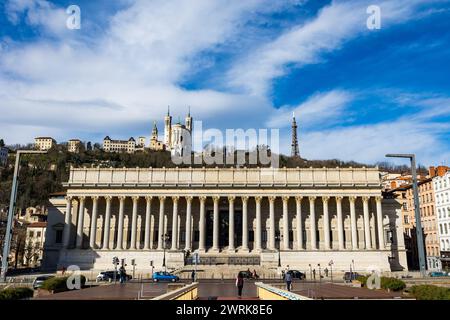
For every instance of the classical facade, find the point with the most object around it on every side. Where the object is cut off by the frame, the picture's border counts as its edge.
(307, 215)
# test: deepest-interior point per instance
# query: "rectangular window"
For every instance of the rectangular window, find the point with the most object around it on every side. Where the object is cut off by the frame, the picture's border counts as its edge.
(58, 236)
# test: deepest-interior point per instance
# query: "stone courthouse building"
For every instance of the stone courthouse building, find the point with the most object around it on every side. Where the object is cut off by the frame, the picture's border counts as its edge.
(307, 215)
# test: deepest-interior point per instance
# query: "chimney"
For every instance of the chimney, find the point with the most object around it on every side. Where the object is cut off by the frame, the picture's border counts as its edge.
(441, 170)
(432, 172)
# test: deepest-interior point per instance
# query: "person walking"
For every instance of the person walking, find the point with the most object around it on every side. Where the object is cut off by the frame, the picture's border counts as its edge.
(288, 279)
(314, 274)
(122, 274)
(193, 275)
(240, 284)
(326, 272)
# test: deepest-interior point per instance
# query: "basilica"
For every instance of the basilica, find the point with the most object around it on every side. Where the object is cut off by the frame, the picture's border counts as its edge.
(177, 136)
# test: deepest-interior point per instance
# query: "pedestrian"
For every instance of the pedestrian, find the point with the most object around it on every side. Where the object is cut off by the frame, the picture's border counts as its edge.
(283, 274)
(326, 272)
(240, 284)
(288, 279)
(193, 275)
(255, 275)
(63, 270)
(314, 274)
(122, 274)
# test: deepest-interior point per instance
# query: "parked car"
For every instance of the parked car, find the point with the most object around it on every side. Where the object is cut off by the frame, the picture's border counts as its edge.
(109, 276)
(295, 274)
(350, 276)
(164, 276)
(246, 274)
(438, 274)
(37, 283)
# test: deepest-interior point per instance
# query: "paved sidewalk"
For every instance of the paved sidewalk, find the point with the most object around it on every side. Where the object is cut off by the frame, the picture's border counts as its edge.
(126, 291)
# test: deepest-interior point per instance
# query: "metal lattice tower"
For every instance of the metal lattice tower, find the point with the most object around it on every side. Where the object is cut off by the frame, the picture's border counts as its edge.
(294, 146)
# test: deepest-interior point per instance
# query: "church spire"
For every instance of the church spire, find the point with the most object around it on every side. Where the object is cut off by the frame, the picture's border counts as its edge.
(294, 146)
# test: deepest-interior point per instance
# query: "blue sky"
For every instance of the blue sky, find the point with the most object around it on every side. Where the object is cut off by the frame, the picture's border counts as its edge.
(357, 93)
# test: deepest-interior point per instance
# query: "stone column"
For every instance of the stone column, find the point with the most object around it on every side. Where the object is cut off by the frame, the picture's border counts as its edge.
(353, 223)
(380, 224)
(175, 222)
(258, 224)
(148, 216)
(67, 222)
(298, 202)
(80, 223)
(93, 222)
(202, 236)
(119, 245)
(188, 223)
(134, 223)
(340, 223)
(285, 223)
(244, 247)
(367, 238)
(107, 223)
(272, 222)
(231, 247)
(162, 199)
(215, 246)
(312, 222)
(326, 223)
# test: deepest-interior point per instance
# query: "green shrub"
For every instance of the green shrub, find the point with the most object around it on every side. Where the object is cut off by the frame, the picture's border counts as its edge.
(392, 284)
(16, 293)
(363, 280)
(59, 284)
(430, 292)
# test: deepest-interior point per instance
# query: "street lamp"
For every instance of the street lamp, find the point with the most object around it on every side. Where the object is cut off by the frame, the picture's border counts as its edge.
(310, 271)
(12, 202)
(278, 238)
(419, 236)
(320, 274)
(165, 238)
(331, 269)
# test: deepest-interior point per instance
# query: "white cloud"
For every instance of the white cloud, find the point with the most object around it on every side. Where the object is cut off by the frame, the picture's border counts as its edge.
(335, 24)
(317, 109)
(118, 83)
(38, 13)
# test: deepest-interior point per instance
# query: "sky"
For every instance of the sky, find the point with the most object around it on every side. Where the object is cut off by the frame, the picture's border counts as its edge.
(357, 93)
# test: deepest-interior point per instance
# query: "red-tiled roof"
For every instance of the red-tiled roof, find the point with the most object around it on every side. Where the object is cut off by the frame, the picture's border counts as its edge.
(37, 225)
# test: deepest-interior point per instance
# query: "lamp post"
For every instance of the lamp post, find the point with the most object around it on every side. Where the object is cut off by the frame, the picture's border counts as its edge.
(310, 271)
(278, 238)
(419, 235)
(320, 274)
(165, 238)
(12, 203)
(331, 269)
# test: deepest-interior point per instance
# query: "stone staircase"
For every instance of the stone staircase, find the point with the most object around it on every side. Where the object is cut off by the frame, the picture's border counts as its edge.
(225, 271)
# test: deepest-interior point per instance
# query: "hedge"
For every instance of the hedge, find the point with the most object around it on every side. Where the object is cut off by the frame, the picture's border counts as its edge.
(430, 292)
(386, 283)
(59, 284)
(392, 284)
(16, 293)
